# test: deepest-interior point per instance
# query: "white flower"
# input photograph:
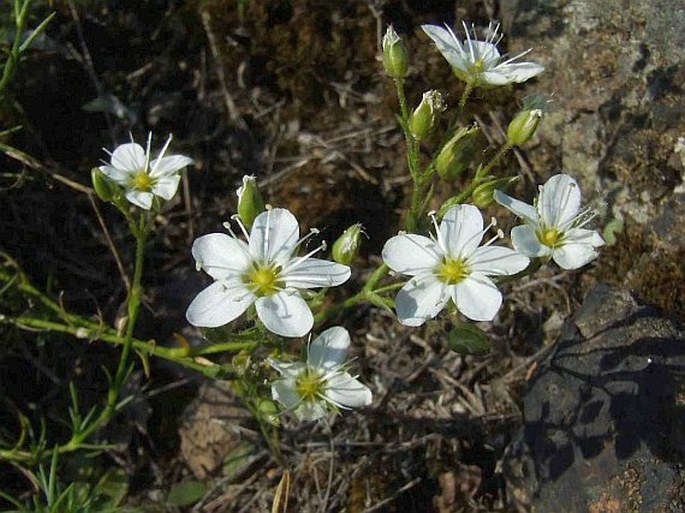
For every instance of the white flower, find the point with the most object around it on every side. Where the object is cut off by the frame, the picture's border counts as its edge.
(479, 62)
(142, 179)
(263, 271)
(554, 224)
(320, 384)
(450, 265)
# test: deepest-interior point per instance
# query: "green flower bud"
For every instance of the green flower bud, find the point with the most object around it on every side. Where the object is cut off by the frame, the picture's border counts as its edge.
(104, 188)
(524, 124)
(395, 58)
(467, 339)
(346, 247)
(458, 153)
(250, 202)
(422, 121)
(482, 194)
(269, 409)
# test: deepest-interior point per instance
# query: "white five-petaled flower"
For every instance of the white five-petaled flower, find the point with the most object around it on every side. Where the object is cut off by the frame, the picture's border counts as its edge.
(264, 271)
(322, 383)
(450, 265)
(554, 224)
(477, 62)
(142, 179)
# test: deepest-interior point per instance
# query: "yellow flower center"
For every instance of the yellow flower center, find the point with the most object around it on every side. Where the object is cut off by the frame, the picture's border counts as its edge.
(263, 280)
(452, 271)
(309, 386)
(478, 66)
(549, 237)
(142, 181)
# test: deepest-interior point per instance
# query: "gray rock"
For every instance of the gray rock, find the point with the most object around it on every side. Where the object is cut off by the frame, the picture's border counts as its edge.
(604, 426)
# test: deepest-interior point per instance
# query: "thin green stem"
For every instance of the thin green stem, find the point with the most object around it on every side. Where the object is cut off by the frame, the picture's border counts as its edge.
(404, 109)
(482, 172)
(360, 297)
(466, 93)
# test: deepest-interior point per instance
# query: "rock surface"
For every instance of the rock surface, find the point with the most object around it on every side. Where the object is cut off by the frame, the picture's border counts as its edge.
(617, 74)
(604, 428)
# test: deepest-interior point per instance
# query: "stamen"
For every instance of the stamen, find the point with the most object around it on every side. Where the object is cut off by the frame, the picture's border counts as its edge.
(312, 232)
(227, 225)
(147, 152)
(498, 235)
(292, 264)
(517, 56)
(581, 219)
(469, 42)
(438, 236)
(265, 247)
(161, 153)
(479, 235)
(236, 218)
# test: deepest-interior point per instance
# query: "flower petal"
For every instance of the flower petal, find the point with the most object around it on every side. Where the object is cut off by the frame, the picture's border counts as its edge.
(518, 72)
(421, 299)
(343, 389)
(221, 256)
(329, 348)
(526, 242)
(169, 165)
(288, 370)
(130, 157)
(313, 273)
(523, 210)
(461, 230)
(494, 77)
(448, 45)
(285, 314)
(559, 201)
(219, 304)
(285, 392)
(411, 254)
(578, 249)
(140, 199)
(309, 411)
(477, 297)
(274, 235)
(497, 261)
(482, 50)
(120, 176)
(166, 186)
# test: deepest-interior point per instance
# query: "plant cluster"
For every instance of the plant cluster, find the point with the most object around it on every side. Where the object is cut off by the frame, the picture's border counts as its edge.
(270, 283)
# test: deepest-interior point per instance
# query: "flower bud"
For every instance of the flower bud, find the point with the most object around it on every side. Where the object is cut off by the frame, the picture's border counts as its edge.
(250, 202)
(524, 124)
(104, 188)
(482, 194)
(458, 153)
(269, 410)
(422, 121)
(346, 247)
(395, 58)
(467, 339)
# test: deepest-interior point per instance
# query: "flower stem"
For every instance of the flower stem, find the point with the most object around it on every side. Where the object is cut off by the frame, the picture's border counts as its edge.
(483, 172)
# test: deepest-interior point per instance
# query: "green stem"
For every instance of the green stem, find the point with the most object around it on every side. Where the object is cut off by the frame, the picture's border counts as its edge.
(85, 331)
(399, 86)
(460, 107)
(485, 170)
(359, 297)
